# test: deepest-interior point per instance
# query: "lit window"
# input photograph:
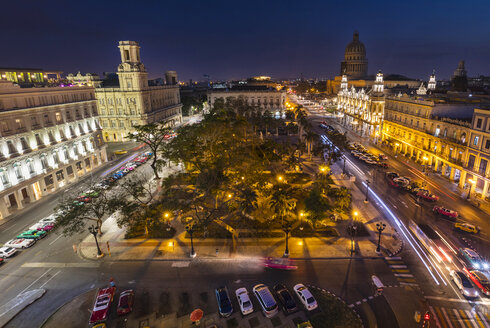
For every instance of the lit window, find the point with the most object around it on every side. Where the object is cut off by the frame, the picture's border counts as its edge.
(475, 142)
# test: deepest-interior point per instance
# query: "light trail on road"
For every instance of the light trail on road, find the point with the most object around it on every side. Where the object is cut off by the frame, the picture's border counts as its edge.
(118, 165)
(406, 234)
(422, 176)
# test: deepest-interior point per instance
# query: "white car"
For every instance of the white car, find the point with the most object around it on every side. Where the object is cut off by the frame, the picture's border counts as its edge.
(7, 251)
(49, 219)
(246, 305)
(38, 226)
(20, 243)
(464, 284)
(305, 297)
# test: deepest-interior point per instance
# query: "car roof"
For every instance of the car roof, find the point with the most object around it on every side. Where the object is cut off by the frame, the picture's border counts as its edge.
(471, 253)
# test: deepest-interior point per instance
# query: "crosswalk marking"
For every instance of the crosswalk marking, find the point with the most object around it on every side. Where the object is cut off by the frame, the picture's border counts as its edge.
(458, 318)
(398, 266)
(404, 275)
(447, 318)
(435, 316)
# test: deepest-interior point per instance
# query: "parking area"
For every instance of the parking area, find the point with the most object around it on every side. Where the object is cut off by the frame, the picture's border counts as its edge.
(171, 308)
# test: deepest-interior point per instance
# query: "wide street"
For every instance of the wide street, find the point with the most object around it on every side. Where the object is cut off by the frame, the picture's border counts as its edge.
(448, 306)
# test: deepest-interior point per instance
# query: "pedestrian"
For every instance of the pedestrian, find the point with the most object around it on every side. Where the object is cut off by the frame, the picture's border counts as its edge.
(74, 248)
(217, 251)
(112, 283)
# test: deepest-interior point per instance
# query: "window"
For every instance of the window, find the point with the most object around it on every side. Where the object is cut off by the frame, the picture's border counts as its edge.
(56, 158)
(5, 126)
(126, 54)
(46, 119)
(478, 123)
(18, 172)
(104, 124)
(11, 147)
(44, 163)
(39, 141)
(487, 144)
(5, 178)
(34, 120)
(483, 167)
(58, 117)
(24, 144)
(18, 124)
(121, 124)
(475, 141)
(113, 124)
(438, 130)
(30, 166)
(68, 115)
(471, 162)
(129, 84)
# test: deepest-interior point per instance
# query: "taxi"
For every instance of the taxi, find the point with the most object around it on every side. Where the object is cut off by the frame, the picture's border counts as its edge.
(466, 227)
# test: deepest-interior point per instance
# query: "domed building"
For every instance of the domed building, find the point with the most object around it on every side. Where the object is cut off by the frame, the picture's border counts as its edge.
(355, 64)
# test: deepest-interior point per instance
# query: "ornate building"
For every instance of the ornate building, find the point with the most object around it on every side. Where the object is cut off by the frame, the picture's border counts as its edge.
(362, 110)
(355, 64)
(452, 139)
(89, 79)
(49, 137)
(262, 97)
(134, 102)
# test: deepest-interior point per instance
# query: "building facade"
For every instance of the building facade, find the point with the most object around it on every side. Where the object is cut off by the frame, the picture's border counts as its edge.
(49, 137)
(362, 110)
(134, 102)
(89, 79)
(266, 99)
(450, 139)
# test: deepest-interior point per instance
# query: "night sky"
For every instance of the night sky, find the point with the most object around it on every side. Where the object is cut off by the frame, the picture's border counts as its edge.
(238, 39)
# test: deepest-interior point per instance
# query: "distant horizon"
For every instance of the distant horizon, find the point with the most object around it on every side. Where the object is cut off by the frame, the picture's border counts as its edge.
(237, 40)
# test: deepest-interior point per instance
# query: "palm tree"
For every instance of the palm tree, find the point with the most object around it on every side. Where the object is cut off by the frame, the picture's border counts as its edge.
(343, 198)
(310, 138)
(282, 202)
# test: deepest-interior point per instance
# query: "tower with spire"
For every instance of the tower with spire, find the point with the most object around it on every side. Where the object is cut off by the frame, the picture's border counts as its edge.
(432, 81)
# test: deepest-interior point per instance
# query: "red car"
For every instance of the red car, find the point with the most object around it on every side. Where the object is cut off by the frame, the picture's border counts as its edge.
(102, 304)
(126, 301)
(426, 194)
(84, 199)
(1, 261)
(446, 212)
(279, 263)
(480, 279)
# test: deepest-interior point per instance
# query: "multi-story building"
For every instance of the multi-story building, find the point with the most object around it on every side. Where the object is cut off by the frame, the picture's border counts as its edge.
(362, 110)
(29, 76)
(89, 79)
(134, 102)
(261, 97)
(449, 138)
(49, 137)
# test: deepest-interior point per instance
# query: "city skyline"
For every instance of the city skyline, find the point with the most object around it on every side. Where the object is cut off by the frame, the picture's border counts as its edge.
(231, 41)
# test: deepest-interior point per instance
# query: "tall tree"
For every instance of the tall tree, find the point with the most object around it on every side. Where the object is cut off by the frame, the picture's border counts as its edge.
(283, 202)
(154, 135)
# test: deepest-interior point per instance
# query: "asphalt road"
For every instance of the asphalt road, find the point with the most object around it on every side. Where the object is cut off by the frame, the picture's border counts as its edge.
(403, 206)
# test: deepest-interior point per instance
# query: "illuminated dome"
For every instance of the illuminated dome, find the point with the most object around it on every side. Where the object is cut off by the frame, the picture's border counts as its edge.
(355, 61)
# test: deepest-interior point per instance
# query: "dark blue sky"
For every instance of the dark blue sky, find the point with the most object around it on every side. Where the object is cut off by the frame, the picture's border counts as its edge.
(236, 39)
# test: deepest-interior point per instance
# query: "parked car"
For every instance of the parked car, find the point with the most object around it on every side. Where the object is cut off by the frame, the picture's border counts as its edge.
(480, 279)
(246, 306)
(266, 300)
(32, 234)
(44, 226)
(7, 251)
(20, 243)
(382, 157)
(224, 303)
(1, 261)
(463, 284)
(391, 175)
(445, 212)
(285, 298)
(49, 219)
(426, 195)
(466, 227)
(102, 305)
(305, 297)
(92, 193)
(125, 303)
(383, 165)
(120, 152)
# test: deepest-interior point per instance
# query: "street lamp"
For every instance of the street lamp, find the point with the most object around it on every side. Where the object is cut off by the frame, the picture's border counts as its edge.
(280, 178)
(94, 230)
(353, 232)
(367, 191)
(380, 227)
(286, 228)
(344, 158)
(472, 183)
(301, 214)
(190, 230)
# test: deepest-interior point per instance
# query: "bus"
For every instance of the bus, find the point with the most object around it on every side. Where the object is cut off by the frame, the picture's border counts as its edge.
(431, 240)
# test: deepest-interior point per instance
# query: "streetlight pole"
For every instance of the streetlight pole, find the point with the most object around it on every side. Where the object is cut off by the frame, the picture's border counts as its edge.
(343, 169)
(380, 227)
(367, 191)
(94, 230)
(190, 230)
(287, 229)
(353, 231)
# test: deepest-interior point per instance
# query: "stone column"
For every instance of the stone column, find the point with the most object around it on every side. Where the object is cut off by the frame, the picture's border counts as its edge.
(18, 199)
(4, 212)
(451, 175)
(485, 189)
(436, 165)
(462, 179)
(42, 184)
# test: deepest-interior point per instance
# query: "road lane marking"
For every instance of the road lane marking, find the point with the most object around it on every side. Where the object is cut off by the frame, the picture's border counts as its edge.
(404, 275)
(50, 279)
(398, 266)
(13, 226)
(51, 243)
(473, 317)
(35, 281)
(60, 265)
(181, 264)
(481, 318)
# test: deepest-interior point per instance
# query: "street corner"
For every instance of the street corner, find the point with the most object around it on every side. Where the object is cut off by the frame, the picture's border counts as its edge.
(75, 313)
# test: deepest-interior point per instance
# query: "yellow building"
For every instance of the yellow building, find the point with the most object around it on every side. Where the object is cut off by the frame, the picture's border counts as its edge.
(134, 102)
(442, 136)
